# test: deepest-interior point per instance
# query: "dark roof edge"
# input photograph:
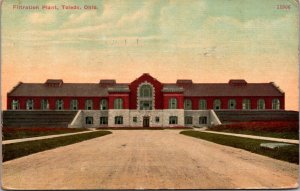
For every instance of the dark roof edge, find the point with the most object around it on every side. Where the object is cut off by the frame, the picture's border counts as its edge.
(277, 87)
(14, 88)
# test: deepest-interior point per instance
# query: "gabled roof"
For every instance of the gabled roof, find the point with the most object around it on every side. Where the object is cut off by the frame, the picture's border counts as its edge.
(233, 88)
(67, 89)
(225, 89)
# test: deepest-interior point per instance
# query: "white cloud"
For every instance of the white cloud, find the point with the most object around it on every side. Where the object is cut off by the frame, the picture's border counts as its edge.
(39, 18)
(77, 19)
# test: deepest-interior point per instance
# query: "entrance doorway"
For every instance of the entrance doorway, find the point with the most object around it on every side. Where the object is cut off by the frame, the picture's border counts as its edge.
(146, 121)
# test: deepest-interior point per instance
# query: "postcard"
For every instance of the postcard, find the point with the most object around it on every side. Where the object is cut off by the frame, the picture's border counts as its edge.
(150, 94)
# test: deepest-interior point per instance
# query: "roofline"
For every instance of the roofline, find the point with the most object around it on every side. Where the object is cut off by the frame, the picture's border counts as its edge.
(239, 96)
(14, 88)
(277, 88)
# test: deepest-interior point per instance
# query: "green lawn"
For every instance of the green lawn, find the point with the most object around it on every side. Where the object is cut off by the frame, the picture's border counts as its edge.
(20, 133)
(277, 129)
(288, 153)
(283, 135)
(16, 150)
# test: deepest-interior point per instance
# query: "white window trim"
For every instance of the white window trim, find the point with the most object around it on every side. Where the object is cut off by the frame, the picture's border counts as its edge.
(141, 99)
(170, 105)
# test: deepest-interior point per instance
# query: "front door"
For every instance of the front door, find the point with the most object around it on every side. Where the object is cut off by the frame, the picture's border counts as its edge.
(146, 121)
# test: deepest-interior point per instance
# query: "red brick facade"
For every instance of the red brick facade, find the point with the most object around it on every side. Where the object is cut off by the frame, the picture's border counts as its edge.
(267, 91)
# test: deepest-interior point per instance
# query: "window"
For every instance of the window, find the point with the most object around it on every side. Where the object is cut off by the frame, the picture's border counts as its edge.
(202, 104)
(118, 103)
(173, 103)
(145, 105)
(103, 104)
(231, 104)
(119, 120)
(59, 104)
(134, 119)
(276, 104)
(173, 120)
(188, 120)
(187, 104)
(261, 104)
(246, 104)
(15, 104)
(157, 119)
(202, 120)
(89, 120)
(146, 91)
(44, 104)
(74, 104)
(103, 120)
(29, 104)
(145, 97)
(217, 104)
(88, 104)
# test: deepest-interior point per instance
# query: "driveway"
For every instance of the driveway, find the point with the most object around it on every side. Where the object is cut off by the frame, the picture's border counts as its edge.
(144, 159)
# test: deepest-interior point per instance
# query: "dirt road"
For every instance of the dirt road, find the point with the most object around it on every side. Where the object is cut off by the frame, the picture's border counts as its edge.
(147, 159)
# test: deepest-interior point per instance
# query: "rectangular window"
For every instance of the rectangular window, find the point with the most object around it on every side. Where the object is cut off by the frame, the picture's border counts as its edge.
(134, 119)
(89, 120)
(188, 120)
(157, 119)
(203, 120)
(103, 120)
(173, 120)
(145, 105)
(119, 120)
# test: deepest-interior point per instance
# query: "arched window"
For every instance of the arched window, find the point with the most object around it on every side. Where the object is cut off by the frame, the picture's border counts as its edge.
(246, 104)
(145, 97)
(173, 103)
(15, 105)
(187, 104)
(146, 91)
(202, 104)
(217, 104)
(231, 104)
(74, 104)
(29, 104)
(118, 103)
(276, 104)
(103, 104)
(88, 104)
(44, 104)
(261, 104)
(59, 104)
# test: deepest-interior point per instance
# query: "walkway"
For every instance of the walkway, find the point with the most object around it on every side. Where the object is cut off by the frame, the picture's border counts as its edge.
(135, 159)
(293, 141)
(40, 138)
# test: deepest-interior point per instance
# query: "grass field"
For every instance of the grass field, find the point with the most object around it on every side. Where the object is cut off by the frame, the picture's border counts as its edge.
(278, 129)
(16, 150)
(19, 133)
(288, 153)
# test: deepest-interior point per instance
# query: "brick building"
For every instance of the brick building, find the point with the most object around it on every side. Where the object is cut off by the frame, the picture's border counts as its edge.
(145, 101)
